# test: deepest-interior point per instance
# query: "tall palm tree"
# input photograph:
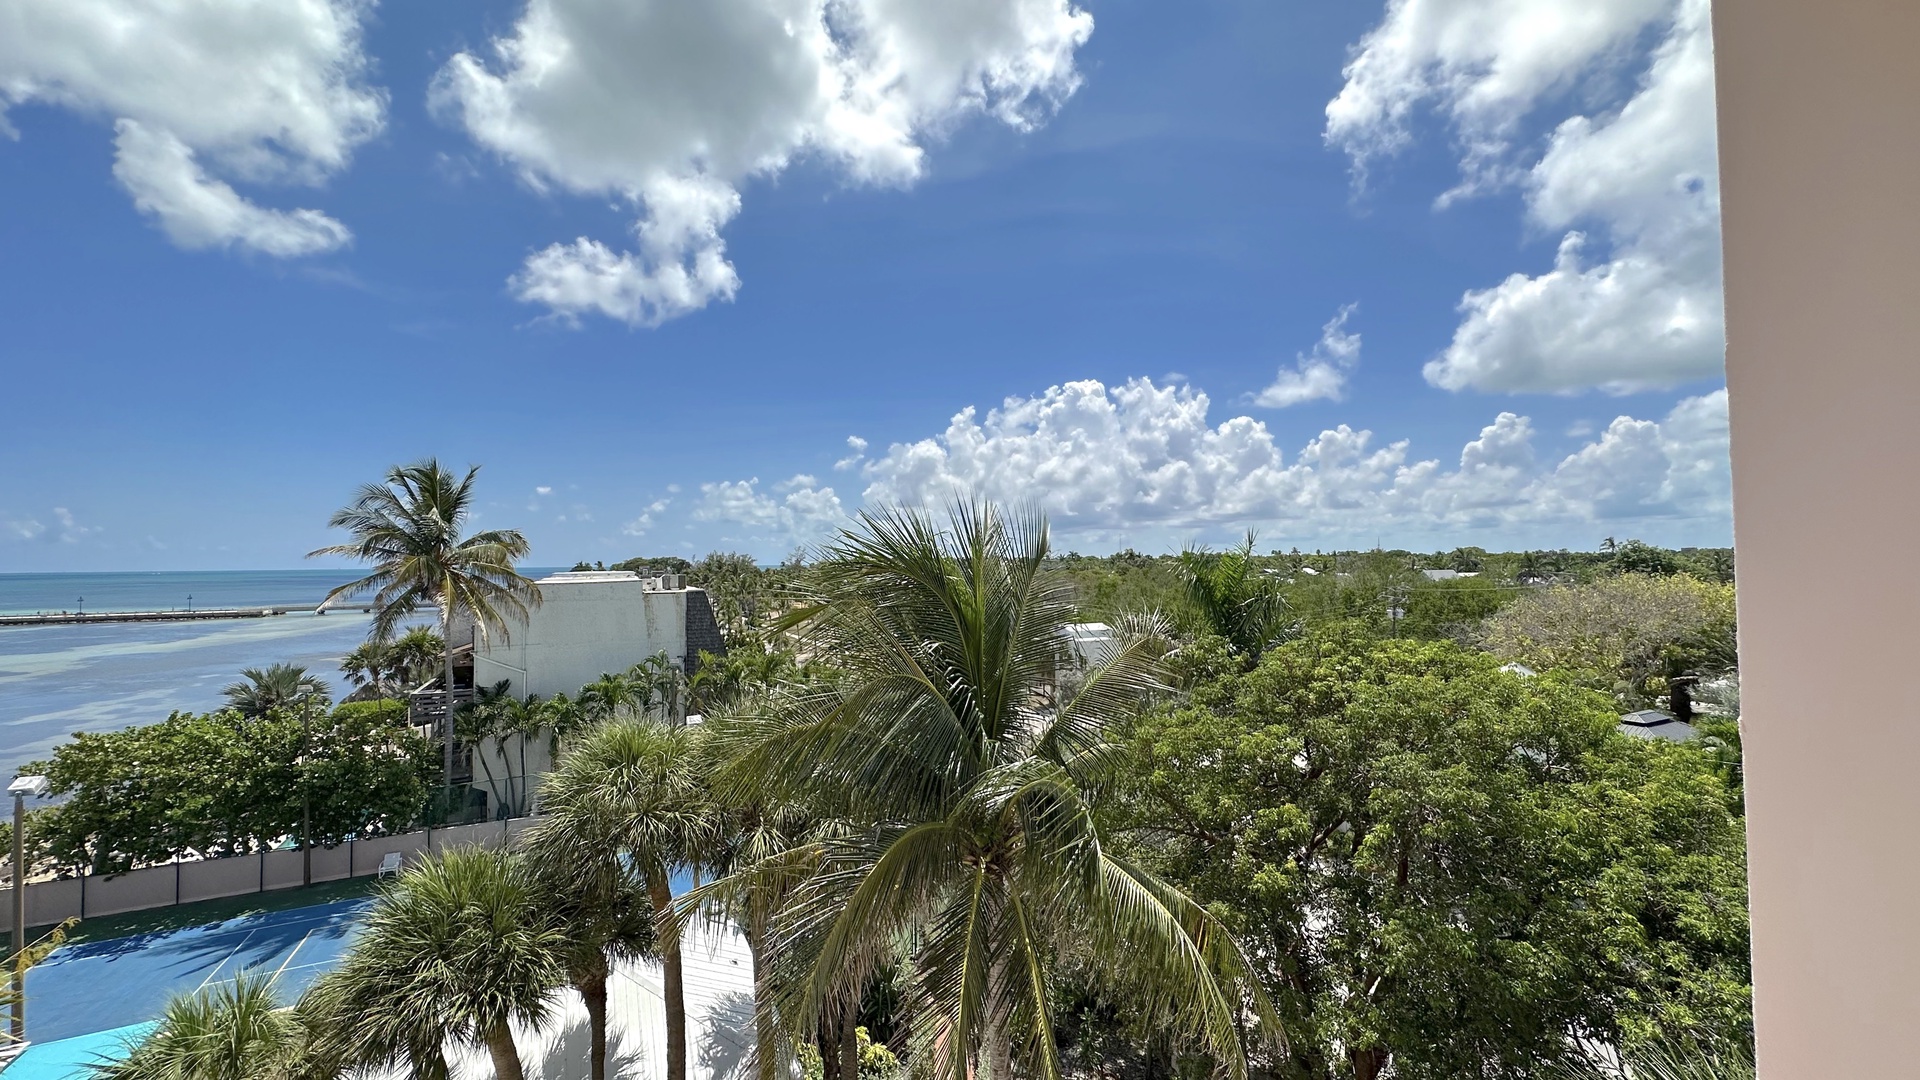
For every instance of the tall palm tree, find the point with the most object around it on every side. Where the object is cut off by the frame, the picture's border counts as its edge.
(635, 789)
(978, 847)
(282, 686)
(229, 1031)
(458, 947)
(409, 528)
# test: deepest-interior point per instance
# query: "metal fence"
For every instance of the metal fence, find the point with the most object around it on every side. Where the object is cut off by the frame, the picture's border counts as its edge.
(90, 896)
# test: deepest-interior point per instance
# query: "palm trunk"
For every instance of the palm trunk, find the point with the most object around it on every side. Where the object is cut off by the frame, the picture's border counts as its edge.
(850, 1044)
(594, 992)
(766, 1034)
(506, 1057)
(999, 1053)
(672, 984)
(446, 636)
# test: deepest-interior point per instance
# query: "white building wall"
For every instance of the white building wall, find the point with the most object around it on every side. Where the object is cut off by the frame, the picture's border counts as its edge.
(587, 625)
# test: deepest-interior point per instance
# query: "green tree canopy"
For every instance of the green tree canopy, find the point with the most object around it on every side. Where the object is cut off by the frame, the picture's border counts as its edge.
(227, 784)
(1442, 866)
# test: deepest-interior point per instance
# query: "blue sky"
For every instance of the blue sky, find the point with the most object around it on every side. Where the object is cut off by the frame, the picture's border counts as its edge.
(1123, 233)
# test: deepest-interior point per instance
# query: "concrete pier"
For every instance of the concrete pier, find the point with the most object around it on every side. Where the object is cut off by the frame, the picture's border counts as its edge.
(62, 618)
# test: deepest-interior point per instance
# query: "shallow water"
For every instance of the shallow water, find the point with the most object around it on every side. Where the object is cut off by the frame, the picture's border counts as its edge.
(56, 680)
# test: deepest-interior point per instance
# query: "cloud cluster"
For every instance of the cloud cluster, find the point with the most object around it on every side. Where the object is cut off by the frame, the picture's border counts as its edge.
(1139, 455)
(1633, 299)
(796, 510)
(671, 107)
(202, 95)
(1320, 374)
(65, 529)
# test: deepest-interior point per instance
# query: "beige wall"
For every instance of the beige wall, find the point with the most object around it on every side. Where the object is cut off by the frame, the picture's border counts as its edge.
(1820, 165)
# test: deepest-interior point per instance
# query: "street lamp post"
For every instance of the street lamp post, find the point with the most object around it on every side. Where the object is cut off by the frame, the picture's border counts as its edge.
(306, 797)
(21, 787)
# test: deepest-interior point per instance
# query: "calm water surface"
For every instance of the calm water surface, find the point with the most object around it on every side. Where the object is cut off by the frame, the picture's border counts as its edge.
(56, 680)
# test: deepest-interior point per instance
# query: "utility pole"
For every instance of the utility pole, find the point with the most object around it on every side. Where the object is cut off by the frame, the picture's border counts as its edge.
(21, 787)
(306, 795)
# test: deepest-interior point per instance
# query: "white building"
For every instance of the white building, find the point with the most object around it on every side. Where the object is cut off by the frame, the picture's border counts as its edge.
(588, 624)
(594, 623)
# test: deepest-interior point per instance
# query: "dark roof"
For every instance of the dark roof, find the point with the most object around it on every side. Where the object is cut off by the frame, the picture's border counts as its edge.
(1657, 724)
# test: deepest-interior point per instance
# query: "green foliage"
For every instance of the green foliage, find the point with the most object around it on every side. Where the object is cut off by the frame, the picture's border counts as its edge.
(389, 712)
(1625, 634)
(409, 529)
(228, 1031)
(1442, 865)
(971, 841)
(391, 668)
(226, 784)
(459, 947)
(1453, 609)
(877, 1062)
(1681, 1057)
(672, 564)
(1107, 588)
(1235, 599)
(756, 666)
(285, 687)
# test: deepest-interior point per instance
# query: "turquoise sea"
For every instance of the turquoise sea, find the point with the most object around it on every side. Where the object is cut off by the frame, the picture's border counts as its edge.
(56, 680)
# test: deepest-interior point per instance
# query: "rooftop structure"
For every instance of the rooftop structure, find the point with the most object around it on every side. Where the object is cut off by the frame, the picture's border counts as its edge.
(1657, 724)
(595, 622)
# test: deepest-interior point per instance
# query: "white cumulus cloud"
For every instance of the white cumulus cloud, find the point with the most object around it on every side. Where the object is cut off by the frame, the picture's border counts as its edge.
(1633, 299)
(1320, 374)
(795, 510)
(1120, 459)
(672, 107)
(202, 95)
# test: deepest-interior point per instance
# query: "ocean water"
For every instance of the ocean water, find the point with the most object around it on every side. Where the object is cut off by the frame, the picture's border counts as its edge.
(56, 680)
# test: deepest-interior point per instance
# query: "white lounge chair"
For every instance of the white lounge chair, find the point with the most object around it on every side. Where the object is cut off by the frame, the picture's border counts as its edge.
(390, 864)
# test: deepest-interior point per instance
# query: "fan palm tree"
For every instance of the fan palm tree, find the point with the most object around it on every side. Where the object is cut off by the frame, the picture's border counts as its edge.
(282, 686)
(408, 528)
(229, 1031)
(634, 789)
(459, 947)
(1234, 598)
(978, 847)
(599, 900)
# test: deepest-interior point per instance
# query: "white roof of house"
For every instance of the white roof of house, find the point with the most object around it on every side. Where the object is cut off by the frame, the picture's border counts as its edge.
(1088, 631)
(582, 577)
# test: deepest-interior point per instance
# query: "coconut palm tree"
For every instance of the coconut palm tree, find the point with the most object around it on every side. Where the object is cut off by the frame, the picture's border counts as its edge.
(228, 1031)
(459, 947)
(634, 789)
(1235, 600)
(282, 686)
(978, 850)
(409, 528)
